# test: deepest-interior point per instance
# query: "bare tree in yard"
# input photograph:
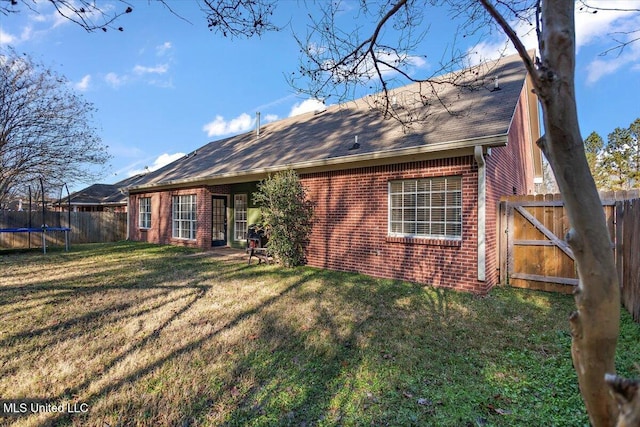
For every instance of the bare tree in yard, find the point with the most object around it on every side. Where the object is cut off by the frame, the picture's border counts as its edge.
(337, 58)
(44, 128)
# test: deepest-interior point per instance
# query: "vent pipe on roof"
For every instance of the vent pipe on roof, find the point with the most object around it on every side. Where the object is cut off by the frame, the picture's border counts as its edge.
(496, 84)
(258, 124)
(355, 145)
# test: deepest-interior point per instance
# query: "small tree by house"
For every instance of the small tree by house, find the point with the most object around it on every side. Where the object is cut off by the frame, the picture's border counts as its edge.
(286, 216)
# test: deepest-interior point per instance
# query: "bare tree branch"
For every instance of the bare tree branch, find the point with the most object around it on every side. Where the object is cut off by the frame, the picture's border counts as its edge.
(233, 18)
(621, 44)
(594, 9)
(512, 35)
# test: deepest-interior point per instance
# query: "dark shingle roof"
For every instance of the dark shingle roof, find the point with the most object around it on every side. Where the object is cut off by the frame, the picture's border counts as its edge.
(450, 117)
(102, 194)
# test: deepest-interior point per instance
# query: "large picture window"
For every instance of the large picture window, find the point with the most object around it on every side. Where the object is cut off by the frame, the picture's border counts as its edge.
(429, 207)
(240, 216)
(144, 213)
(184, 217)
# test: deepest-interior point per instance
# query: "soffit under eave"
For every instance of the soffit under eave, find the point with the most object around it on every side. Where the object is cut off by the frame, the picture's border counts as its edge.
(532, 110)
(535, 128)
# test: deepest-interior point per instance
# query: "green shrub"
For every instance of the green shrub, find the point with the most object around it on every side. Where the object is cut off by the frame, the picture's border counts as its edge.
(286, 216)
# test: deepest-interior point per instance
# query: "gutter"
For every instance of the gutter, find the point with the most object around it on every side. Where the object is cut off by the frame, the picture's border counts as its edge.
(444, 147)
(482, 211)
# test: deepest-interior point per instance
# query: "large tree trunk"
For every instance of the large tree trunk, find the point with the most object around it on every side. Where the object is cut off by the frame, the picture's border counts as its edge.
(595, 324)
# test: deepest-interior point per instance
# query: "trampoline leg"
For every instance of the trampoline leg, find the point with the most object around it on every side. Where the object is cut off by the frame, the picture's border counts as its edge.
(44, 242)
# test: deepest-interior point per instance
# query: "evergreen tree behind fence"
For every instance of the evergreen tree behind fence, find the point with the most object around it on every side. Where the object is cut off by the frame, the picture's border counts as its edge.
(86, 227)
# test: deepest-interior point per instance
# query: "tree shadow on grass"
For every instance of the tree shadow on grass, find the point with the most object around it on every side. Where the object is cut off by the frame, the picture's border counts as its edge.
(111, 386)
(394, 354)
(342, 364)
(293, 347)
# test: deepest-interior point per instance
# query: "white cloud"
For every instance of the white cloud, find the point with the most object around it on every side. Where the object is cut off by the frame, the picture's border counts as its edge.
(307, 106)
(160, 161)
(162, 49)
(607, 29)
(6, 38)
(165, 159)
(38, 18)
(244, 122)
(268, 118)
(114, 80)
(158, 69)
(404, 61)
(219, 126)
(592, 29)
(26, 34)
(606, 65)
(83, 84)
(493, 49)
(140, 73)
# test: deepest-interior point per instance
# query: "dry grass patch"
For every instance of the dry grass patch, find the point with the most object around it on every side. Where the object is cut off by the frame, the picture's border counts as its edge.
(155, 335)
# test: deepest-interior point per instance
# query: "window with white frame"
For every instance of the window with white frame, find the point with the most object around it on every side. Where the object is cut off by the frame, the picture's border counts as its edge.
(184, 216)
(240, 216)
(427, 207)
(144, 213)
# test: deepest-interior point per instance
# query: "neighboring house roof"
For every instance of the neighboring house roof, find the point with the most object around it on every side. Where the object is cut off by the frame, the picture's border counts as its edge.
(448, 117)
(101, 194)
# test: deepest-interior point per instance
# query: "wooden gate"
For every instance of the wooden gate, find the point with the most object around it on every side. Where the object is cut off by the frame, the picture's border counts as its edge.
(533, 250)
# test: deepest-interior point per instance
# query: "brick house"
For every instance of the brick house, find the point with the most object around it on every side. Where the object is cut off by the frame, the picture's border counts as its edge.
(415, 202)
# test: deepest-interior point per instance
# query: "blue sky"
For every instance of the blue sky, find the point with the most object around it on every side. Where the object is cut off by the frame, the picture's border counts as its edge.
(164, 87)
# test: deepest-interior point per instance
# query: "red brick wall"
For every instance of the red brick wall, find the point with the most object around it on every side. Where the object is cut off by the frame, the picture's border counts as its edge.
(161, 216)
(509, 171)
(350, 226)
(350, 230)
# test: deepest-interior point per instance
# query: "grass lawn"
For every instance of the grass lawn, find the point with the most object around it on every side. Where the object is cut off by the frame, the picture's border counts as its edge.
(162, 336)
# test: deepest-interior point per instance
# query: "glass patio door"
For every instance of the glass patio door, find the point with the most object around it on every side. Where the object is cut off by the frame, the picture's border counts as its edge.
(219, 221)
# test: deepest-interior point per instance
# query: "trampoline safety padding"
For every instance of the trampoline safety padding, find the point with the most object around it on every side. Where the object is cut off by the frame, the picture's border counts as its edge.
(42, 230)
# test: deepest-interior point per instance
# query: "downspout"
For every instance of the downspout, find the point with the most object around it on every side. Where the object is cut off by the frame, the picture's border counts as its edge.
(125, 192)
(482, 209)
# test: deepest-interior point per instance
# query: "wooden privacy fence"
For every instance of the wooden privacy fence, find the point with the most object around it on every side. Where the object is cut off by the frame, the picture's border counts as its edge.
(533, 252)
(628, 255)
(86, 227)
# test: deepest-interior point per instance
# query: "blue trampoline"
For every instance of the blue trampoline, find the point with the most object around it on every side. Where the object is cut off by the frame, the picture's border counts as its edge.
(44, 229)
